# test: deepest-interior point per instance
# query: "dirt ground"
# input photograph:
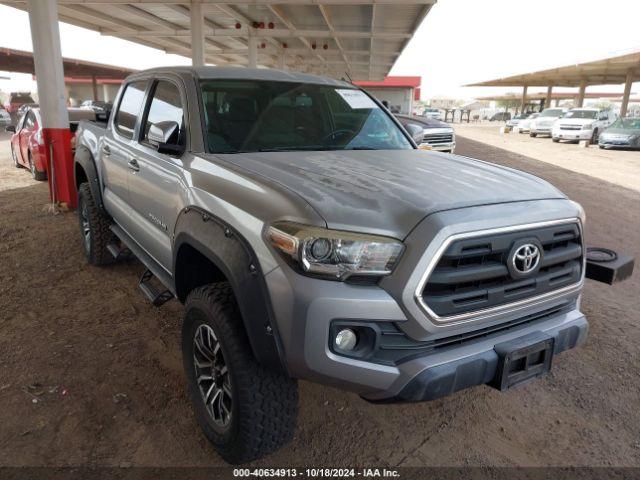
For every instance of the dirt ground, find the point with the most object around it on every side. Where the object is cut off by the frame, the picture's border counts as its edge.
(591, 161)
(91, 375)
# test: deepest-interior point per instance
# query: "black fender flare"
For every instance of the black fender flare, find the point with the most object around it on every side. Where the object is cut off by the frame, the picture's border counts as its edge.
(232, 254)
(84, 159)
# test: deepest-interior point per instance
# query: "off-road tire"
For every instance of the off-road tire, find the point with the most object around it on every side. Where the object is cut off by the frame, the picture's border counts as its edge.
(264, 402)
(99, 233)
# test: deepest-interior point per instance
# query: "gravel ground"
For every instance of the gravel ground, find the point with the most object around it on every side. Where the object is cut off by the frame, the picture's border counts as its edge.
(91, 375)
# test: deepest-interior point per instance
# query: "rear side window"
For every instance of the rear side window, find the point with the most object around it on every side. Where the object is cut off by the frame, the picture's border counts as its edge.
(129, 108)
(166, 106)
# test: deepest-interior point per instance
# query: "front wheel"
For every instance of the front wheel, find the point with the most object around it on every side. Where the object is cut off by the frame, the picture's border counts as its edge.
(555, 140)
(533, 135)
(94, 228)
(35, 173)
(594, 137)
(245, 410)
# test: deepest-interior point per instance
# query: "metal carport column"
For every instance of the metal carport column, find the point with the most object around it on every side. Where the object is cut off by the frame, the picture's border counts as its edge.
(47, 59)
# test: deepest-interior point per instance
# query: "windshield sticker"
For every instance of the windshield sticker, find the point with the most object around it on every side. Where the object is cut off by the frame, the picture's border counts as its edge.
(356, 98)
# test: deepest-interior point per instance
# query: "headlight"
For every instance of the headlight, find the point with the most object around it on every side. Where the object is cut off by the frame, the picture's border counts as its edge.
(333, 254)
(588, 126)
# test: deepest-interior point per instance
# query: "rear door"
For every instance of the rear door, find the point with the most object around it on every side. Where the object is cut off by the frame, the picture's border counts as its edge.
(118, 150)
(156, 186)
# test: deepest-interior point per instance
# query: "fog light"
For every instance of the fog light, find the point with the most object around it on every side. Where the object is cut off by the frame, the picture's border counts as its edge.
(346, 339)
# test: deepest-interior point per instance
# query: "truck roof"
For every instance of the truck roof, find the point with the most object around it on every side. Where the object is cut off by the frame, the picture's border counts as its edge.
(244, 73)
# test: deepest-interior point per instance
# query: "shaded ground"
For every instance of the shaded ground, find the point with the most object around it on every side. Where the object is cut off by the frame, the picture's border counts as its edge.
(90, 373)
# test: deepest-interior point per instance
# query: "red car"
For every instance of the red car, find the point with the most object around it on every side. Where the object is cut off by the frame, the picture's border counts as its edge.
(27, 145)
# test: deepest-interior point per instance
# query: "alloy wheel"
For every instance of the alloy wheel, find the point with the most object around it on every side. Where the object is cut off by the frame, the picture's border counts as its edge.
(212, 376)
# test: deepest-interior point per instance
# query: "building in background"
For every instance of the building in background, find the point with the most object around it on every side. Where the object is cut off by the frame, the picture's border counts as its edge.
(399, 92)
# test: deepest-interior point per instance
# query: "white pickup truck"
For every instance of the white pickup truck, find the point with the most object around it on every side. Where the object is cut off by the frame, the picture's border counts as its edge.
(582, 124)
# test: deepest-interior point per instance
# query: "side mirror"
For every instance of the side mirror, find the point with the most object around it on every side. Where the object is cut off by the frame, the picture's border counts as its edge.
(164, 136)
(10, 128)
(415, 131)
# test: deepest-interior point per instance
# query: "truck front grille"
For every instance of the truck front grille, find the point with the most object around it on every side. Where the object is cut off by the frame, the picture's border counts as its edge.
(570, 127)
(437, 138)
(473, 274)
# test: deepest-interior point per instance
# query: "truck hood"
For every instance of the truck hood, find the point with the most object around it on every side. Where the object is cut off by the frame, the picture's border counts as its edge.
(389, 191)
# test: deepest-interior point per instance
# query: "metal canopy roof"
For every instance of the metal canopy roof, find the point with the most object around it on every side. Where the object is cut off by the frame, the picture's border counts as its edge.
(19, 61)
(613, 70)
(360, 37)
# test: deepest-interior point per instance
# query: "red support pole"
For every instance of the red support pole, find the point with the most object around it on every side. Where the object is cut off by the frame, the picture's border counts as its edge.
(47, 58)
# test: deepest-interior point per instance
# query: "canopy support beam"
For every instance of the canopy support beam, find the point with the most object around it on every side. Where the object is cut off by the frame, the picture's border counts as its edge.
(197, 34)
(627, 93)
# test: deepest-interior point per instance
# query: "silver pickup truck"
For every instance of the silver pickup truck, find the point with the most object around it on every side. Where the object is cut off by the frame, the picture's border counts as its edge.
(309, 238)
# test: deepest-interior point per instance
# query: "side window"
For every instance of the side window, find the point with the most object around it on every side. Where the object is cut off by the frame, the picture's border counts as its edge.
(166, 106)
(30, 121)
(129, 108)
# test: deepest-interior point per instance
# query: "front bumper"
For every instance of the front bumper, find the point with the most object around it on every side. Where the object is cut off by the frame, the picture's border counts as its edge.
(541, 130)
(306, 308)
(440, 147)
(618, 142)
(572, 134)
(437, 381)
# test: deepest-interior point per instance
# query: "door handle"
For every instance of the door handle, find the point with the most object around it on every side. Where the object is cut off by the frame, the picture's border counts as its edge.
(133, 165)
(106, 150)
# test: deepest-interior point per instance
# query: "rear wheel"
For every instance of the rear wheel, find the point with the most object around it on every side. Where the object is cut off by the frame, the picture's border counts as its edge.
(94, 228)
(244, 409)
(14, 157)
(532, 134)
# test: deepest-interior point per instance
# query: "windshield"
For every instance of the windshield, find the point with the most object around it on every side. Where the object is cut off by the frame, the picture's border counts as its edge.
(631, 123)
(552, 112)
(254, 116)
(581, 114)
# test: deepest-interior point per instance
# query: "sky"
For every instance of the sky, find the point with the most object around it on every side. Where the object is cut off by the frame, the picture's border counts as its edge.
(459, 42)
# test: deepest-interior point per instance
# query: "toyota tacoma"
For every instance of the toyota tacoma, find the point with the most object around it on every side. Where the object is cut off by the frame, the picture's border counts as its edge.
(309, 238)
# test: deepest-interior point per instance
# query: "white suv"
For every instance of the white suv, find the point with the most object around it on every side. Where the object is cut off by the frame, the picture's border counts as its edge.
(582, 124)
(544, 123)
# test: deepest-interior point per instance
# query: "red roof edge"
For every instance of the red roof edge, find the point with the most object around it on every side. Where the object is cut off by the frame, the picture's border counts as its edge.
(389, 82)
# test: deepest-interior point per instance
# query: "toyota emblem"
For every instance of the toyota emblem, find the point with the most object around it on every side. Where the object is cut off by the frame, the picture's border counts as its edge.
(525, 258)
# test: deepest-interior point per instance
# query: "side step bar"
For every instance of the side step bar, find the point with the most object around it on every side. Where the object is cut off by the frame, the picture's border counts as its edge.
(119, 253)
(156, 297)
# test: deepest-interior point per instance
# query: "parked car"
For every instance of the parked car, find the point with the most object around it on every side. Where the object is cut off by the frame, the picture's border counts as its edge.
(5, 117)
(544, 123)
(16, 100)
(500, 117)
(524, 125)
(432, 113)
(27, 146)
(515, 121)
(582, 124)
(309, 238)
(436, 135)
(623, 133)
(97, 106)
